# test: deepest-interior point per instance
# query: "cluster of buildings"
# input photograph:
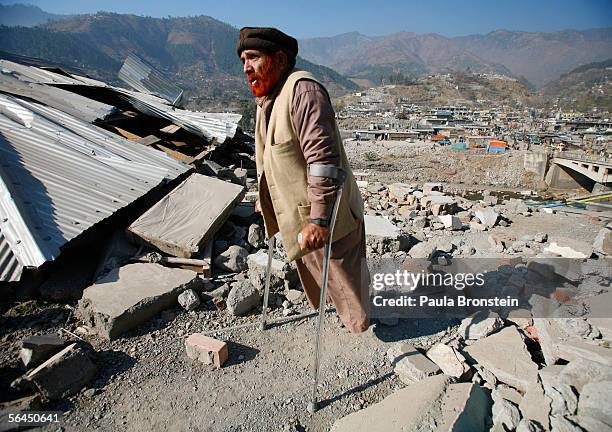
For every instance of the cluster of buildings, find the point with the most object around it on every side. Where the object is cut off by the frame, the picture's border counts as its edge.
(377, 116)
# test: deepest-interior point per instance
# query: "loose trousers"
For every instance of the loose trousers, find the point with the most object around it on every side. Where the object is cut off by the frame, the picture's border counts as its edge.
(349, 279)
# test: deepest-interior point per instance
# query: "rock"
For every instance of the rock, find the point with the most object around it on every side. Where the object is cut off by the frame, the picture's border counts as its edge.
(189, 300)
(548, 210)
(234, 259)
(450, 361)
(487, 217)
(420, 222)
(563, 399)
(451, 222)
(475, 226)
(486, 376)
(255, 237)
(467, 250)
(433, 401)
(590, 424)
(423, 250)
(432, 187)
(505, 392)
(540, 237)
(581, 371)
(526, 425)
(480, 325)
(281, 272)
(206, 349)
(535, 405)
(603, 242)
(64, 374)
(36, 349)
(130, 295)
(561, 424)
(506, 413)
(505, 355)
(489, 200)
(569, 248)
(400, 191)
(294, 296)
(242, 298)
(410, 364)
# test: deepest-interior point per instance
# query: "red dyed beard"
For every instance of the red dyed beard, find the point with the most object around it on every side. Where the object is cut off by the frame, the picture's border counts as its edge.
(261, 83)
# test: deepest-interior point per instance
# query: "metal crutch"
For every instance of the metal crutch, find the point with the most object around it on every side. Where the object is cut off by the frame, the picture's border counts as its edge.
(271, 246)
(337, 174)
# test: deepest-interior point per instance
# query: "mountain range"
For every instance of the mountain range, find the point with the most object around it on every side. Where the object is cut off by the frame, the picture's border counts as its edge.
(538, 57)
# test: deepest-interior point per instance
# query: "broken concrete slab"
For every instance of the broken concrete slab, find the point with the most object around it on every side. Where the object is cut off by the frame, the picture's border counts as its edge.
(452, 407)
(563, 400)
(410, 364)
(233, 259)
(569, 248)
(535, 405)
(581, 371)
(64, 374)
(505, 413)
(596, 401)
(383, 235)
(505, 355)
(449, 360)
(480, 325)
(130, 295)
(187, 218)
(603, 242)
(206, 349)
(503, 391)
(451, 222)
(242, 298)
(38, 348)
(562, 424)
(590, 424)
(572, 348)
(487, 217)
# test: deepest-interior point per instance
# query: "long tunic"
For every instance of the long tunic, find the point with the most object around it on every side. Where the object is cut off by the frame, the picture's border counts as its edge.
(313, 120)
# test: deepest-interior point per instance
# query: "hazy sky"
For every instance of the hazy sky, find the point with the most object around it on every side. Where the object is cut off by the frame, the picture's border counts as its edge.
(328, 17)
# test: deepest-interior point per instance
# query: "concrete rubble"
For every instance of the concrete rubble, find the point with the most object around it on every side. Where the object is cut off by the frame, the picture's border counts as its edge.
(410, 365)
(186, 218)
(125, 298)
(36, 349)
(206, 349)
(62, 375)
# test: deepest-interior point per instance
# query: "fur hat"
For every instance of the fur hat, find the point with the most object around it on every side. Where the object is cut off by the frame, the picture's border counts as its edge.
(266, 39)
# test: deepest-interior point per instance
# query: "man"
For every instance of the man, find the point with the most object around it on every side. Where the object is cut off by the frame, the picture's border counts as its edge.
(295, 127)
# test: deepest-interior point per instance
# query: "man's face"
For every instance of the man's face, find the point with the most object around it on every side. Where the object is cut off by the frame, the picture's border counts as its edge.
(263, 70)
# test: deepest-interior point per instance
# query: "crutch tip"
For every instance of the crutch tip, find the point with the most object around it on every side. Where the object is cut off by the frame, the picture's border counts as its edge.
(312, 407)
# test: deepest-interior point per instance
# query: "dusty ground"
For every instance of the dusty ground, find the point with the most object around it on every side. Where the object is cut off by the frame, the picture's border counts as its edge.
(402, 161)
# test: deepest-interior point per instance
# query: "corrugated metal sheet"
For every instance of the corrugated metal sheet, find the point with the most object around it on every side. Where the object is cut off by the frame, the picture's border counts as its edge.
(60, 176)
(202, 124)
(143, 77)
(219, 126)
(80, 107)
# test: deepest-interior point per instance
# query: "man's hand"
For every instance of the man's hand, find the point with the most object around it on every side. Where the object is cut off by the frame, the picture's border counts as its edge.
(313, 237)
(257, 206)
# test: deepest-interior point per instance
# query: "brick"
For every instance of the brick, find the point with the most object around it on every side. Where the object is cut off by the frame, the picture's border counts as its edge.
(206, 349)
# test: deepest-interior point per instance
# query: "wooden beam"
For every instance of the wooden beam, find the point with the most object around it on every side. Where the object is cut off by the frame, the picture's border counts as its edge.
(173, 153)
(126, 134)
(170, 129)
(148, 140)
